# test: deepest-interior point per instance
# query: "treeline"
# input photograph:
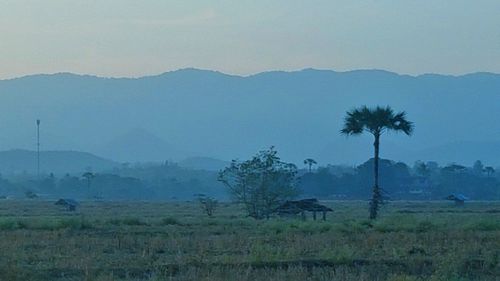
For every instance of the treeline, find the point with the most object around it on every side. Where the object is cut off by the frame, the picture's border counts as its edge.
(421, 181)
(129, 182)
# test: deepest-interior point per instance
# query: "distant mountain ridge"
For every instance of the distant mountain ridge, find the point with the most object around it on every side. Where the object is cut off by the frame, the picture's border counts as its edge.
(58, 162)
(208, 113)
(194, 71)
(203, 163)
(139, 145)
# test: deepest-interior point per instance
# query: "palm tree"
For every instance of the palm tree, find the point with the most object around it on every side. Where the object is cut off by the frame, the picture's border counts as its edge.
(309, 162)
(375, 121)
(489, 170)
(88, 176)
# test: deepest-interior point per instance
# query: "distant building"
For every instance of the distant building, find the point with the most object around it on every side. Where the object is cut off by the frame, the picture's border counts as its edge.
(458, 198)
(70, 204)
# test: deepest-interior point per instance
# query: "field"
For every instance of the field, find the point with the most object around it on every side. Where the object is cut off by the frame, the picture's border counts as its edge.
(176, 241)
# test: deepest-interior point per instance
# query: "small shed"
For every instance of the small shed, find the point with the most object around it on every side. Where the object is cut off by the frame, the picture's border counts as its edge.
(70, 204)
(458, 198)
(301, 207)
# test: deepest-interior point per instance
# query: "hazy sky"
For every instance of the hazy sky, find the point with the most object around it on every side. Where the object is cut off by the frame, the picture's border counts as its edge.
(135, 38)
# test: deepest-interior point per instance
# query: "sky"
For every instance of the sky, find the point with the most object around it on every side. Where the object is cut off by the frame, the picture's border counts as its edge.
(129, 38)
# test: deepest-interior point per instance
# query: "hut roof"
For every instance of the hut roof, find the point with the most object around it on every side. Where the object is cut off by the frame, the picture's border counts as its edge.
(294, 207)
(457, 197)
(67, 202)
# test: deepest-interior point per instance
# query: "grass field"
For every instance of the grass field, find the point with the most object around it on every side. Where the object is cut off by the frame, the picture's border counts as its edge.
(176, 241)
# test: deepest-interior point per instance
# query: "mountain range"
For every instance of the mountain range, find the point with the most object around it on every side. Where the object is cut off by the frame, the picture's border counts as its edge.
(202, 113)
(57, 162)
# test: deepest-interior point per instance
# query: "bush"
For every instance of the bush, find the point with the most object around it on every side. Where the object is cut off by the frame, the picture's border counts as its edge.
(170, 221)
(208, 204)
(8, 225)
(127, 221)
(133, 221)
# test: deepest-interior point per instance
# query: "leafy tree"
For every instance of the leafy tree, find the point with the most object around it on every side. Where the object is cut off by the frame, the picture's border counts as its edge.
(478, 167)
(392, 174)
(375, 121)
(310, 162)
(320, 184)
(261, 183)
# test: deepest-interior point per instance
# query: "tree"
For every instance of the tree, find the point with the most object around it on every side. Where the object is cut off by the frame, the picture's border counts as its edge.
(454, 168)
(88, 176)
(207, 204)
(309, 162)
(30, 194)
(422, 169)
(261, 184)
(375, 121)
(478, 168)
(489, 170)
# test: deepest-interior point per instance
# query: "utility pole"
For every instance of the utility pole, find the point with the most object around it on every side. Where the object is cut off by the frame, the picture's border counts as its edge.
(38, 148)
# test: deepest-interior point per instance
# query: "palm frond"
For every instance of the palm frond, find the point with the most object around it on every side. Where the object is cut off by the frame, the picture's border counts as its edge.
(353, 123)
(400, 123)
(375, 120)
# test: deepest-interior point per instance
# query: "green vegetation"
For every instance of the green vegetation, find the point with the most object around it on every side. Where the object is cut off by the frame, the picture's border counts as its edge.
(261, 184)
(421, 181)
(178, 241)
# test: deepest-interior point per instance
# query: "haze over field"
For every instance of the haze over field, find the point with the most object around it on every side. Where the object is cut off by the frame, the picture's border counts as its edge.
(193, 112)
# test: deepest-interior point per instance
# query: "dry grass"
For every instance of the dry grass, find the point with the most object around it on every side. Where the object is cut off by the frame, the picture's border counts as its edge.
(176, 241)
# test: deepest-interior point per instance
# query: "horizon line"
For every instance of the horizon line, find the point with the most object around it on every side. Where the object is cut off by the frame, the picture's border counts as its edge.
(247, 75)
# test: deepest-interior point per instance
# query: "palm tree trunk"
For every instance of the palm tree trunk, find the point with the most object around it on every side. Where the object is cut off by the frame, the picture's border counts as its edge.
(374, 204)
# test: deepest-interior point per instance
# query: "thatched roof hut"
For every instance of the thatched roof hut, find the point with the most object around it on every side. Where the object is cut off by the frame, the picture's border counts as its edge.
(70, 204)
(302, 206)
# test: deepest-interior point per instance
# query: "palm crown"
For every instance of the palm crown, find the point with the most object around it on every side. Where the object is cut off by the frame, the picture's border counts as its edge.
(376, 121)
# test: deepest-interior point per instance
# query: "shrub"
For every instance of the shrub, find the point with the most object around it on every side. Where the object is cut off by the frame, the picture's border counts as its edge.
(170, 221)
(8, 225)
(208, 204)
(74, 223)
(133, 221)
(127, 221)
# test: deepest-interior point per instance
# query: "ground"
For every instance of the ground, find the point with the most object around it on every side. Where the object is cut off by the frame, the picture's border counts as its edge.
(177, 241)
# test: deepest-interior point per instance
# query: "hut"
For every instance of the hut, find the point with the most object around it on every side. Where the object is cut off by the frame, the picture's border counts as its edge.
(70, 204)
(301, 207)
(458, 198)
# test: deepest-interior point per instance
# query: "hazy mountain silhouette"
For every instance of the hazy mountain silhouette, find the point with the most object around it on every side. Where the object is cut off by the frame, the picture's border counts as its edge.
(203, 163)
(57, 162)
(212, 114)
(139, 145)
